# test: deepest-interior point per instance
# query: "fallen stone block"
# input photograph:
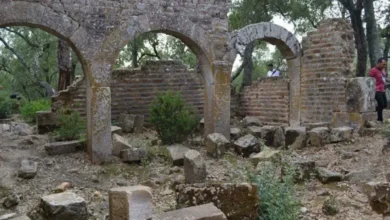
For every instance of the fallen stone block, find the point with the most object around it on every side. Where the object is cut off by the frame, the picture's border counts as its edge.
(5, 128)
(369, 132)
(311, 126)
(379, 197)
(14, 216)
(116, 130)
(177, 153)
(237, 201)
(279, 138)
(255, 131)
(21, 129)
(10, 201)
(131, 123)
(201, 212)
(194, 167)
(305, 169)
(63, 187)
(341, 134)
(46, 121)
(266, 154)
(292, 136)
(317, 137)
(252, 121)
(133, 155)
(130, 203)
(360, 93)
(217, 145)
(64, 147)
(235, 133)
(361, 176)
(119, 144)
(28, 169)
(267, 134)
(328, 176)
(247, 145)
(64, 206)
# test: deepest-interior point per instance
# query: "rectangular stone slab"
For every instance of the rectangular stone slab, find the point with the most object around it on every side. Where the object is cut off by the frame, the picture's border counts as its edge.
(63, 147)
(202, 212)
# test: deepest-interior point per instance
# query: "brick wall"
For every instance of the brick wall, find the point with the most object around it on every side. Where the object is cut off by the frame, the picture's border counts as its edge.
(133, 90)
(268, 99)
(327, 62)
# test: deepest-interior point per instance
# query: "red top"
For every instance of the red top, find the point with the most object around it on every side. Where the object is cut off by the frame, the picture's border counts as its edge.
(379, 78)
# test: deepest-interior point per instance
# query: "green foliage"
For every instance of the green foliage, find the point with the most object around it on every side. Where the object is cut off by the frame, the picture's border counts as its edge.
(330, 206)
(70, 126)
(7, 106)
(278, 199)
(172, 120)
(29, 109)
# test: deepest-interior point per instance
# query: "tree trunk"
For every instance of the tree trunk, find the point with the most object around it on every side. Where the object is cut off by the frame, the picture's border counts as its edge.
(134, 53)
(360, 42)
(248, 69)
(372, 32)
(64, 65)
(387, 49)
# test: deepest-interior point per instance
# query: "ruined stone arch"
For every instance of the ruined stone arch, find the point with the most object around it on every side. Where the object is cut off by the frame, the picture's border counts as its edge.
(289, 47)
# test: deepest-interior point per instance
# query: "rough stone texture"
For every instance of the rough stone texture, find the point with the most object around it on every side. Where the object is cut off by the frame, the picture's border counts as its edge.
(328, 176)
(201, 212)
(28, 169)
(295, 137)
(10, 201)
(5, 128)
(255, 131)
(267, 134)
(361, 176)
(98, 30)
(268, 100)
(46, 121)
(247, 145)
(119, 143)
(252, 121)
(63, 147)
(360, 95)
(64, 206)
(237, 201)
(306, 169)
(21, 129)
(216, 145)
(235, 133)
(194, 167)
(14, 216)
(279, 138)
(379, 197)
(340, 134)
(356, 121)
(328, 55)
(128, 203)
(266, 154)
(177, 153)
(317, 137)
(116, 130)
(129, 122)
(133, 155)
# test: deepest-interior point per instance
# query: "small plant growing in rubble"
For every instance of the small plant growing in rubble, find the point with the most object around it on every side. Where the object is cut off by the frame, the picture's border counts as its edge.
(7, 105)
(170, 117)
(29, 109)
(70, 125)
(278, 198)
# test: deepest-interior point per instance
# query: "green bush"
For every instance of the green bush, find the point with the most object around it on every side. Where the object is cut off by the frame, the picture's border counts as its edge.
(70, 126)
(170, 117)
(7, 106)
(29, 109)
(278, 198)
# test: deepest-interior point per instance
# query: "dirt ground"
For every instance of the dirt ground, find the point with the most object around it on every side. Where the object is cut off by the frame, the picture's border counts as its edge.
(92, 182)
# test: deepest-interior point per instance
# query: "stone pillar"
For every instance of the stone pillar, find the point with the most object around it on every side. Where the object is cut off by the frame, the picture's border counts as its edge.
(217, 100)
(294, 73)
(99, 112)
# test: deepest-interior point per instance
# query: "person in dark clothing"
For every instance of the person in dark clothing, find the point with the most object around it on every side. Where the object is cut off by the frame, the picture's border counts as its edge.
(379, 74)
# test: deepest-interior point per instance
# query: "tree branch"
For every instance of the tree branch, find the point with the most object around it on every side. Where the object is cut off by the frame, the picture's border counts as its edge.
(22, 36)
(16, 54)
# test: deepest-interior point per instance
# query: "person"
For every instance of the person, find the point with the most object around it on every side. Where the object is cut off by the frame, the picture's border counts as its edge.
(272, 72)
(379, 74)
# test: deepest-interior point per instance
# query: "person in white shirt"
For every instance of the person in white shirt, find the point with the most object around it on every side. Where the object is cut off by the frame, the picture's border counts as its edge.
(272, 72)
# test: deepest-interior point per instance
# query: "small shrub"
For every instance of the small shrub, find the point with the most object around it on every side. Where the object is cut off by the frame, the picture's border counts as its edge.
(278, 198)
(7, 106)
(330, 206)
(172, 120)
(29, 109)
(70, 126)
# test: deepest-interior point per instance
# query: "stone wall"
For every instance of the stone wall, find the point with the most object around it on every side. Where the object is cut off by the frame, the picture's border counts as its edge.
(133, 90)
(327, 63)
(268, 99)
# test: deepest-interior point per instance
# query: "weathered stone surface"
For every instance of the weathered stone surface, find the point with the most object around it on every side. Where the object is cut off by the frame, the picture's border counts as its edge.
(133, 155)
(21, 129)
(317, 137)
(237, 201)
(279, 138)
(10, 201)
(369, 132)
(134, 202)
(14, 216)
(177, 153)
(379, 197)
(63, 147)
(131, 123)
(201, 212)
(360, 94)
(119, 144)
(64, 206)
(255, 131)
(247, 145)
(5, 128)
(63, 187)
(340, 134)
(194, 167)
(252, 121)
(28, 169)
(328, 176)
(353, 120)
(217, 145)
(266, 154)
(235, 133)
(311, 126)
(295, 137)
(361, 176)
(267, 133)
(116, 130)
(46, 121)
(306, 169)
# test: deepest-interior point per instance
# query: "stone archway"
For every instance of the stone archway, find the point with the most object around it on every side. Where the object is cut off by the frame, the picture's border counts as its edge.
(289, 47)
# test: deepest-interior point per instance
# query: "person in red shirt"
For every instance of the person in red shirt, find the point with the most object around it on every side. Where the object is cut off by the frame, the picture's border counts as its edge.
(379, 74)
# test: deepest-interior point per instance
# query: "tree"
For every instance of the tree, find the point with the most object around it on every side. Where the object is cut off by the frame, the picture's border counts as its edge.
(64, 65)
(372, 32)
